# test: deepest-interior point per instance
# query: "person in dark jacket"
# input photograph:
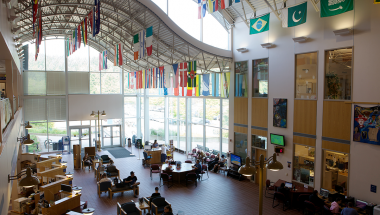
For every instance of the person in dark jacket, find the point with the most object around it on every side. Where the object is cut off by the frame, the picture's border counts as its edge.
(313, 198)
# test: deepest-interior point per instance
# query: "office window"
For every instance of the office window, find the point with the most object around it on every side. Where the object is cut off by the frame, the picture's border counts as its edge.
(156, 118)
(335, 174)
(338, 74)
(260, 77)
(241, 82)
(306, 75)
(34, 83)
(303, 164)
(240, 145)
(259, 141)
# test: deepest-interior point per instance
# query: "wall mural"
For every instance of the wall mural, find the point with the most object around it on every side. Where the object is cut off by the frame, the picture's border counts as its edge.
(367, 124)
(280, 107)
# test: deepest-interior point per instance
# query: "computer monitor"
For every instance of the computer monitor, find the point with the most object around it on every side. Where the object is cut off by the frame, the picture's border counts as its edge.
(236, 160)
(288, 185)
(325, 193)
(338, 189)
(361, 204)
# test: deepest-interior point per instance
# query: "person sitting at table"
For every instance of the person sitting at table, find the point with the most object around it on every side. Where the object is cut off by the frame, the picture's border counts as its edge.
(87, 160)
(220, 164)
(168, 210)
(211, 164)
(131, 181)
(105, 179)
(111, 164)
(335, 205)
(155, 144)
(284, 190)
(198, 169)
(349, 210)
(313, 198)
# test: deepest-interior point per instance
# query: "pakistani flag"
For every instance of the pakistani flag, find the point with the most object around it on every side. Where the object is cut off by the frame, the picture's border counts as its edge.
(293, 16)
(259, 25)
(335, 7)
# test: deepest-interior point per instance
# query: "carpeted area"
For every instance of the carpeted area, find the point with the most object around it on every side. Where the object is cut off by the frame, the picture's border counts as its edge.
(119, 152)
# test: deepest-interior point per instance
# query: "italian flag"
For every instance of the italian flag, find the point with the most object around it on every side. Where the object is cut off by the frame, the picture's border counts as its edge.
(136, 46)
(149, 40)
(118, 56)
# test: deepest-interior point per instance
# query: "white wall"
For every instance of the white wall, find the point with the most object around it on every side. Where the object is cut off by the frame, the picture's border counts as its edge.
(365, 21)
(80, 106)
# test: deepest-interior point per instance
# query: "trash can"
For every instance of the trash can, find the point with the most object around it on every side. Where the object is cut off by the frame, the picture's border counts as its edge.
(129, 142)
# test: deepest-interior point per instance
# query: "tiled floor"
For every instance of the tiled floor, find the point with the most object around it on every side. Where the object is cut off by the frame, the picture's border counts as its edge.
(217, 195)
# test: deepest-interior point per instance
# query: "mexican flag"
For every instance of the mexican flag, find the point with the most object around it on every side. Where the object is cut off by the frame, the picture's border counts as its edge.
(149, 40)
(138, 44)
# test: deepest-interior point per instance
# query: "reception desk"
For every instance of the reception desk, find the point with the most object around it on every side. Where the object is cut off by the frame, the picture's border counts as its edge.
(61, 206)
(156, 155)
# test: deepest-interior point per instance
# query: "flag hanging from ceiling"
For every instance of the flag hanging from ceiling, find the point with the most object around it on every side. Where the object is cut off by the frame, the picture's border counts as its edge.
(202, 8)
(100, 61)
(67, 44)
(198, 86)
(206, 84)
(84, 31)
(293, 16)
(35, 9)
(335, 7)
(149, 41)
(225, 85)
(259, 25)
(90, 19)
(225, 4)
(97, 20)
(183, 76)
(118, 56)
(176, 79)
(79, 37)
(162, 82)
(105, 60)
(191, 74)
(216, 86)
(139, 42)
(212, 6)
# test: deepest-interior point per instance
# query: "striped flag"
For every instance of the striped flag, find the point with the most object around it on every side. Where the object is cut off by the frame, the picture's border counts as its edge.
(225, 4)
(198, 86)
(183, 75)
(84, 31)
(97, 20)
(168, 71)
(35, 10)
(202, 8)
(176, 75)
(212, 6)
(79, 36)
(206, 84)
(105, 59)
(118, 56)
(225, 85)
(100, 62)
(162, 83)
(191, 74)
(149, 41)
(138, 42)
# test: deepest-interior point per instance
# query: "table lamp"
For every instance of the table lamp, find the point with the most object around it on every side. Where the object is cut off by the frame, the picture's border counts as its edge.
(69, 174)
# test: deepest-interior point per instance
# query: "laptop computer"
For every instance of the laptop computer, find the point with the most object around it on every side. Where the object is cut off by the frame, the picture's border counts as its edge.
(288, 185)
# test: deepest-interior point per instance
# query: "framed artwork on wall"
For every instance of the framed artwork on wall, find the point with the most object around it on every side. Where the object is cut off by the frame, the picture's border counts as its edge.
(280, 107)
(367, 124)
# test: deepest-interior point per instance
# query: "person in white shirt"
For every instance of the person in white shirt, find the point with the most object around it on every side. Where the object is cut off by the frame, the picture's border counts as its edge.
(220, 163)
(163, 153)
(105, 179)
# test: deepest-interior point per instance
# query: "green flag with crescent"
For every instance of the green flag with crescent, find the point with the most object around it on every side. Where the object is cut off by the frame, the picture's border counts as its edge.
(293, 16)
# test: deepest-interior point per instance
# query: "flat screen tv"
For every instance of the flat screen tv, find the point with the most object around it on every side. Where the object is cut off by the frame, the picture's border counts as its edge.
(277, 139)
(236, 160)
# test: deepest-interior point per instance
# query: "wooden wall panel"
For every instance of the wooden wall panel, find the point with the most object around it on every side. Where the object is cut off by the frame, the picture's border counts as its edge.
(339, 147)
(241, 111)
(259, 132)
(305, 116)
(336, 120)
(304, 141)
(260, 112)
(241, 129)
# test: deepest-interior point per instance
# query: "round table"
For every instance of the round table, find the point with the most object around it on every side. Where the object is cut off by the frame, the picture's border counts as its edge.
(185, 168)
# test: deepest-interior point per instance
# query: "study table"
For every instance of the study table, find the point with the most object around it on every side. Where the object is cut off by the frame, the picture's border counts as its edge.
(300, 189)
(179, 173)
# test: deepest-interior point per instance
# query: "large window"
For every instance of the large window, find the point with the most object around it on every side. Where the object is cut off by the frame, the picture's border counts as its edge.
(335, 174)
(186, 19)
(260, 77)
(55, 55)
(338, 74)
(303, 164)
(306, 76)
(157, 118)
(130, 112)
(241, 82)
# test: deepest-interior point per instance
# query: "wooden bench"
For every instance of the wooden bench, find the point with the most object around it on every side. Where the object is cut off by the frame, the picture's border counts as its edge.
(113, 190)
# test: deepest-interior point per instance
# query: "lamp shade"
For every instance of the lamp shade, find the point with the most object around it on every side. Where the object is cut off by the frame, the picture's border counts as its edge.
(28, 126)
(247, 169)
(63, 163)
(92, 114)
(88, 211)
(274, 165)
(28, 180)
(69, 174)
(103, 113)
(28, 141)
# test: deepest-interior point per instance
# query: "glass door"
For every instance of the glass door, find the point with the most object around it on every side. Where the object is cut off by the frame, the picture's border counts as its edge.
(111, 135)
(81, 136)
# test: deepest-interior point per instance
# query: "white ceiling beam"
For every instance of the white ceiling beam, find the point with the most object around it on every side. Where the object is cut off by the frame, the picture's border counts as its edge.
(274, 11)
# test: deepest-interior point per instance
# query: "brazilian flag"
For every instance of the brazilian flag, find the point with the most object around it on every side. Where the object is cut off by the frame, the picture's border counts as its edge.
(259, 25)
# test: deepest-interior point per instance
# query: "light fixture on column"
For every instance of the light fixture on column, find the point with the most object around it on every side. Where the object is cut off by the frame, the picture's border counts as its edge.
(267, 45)
(242, 50)
(343, 31)
(299, 39)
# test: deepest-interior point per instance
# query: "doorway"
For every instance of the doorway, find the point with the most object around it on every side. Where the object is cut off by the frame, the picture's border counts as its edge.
(80, 136)
(111, 136)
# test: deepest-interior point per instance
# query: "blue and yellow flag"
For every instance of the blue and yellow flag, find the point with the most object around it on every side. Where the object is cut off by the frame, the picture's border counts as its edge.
(259, 25)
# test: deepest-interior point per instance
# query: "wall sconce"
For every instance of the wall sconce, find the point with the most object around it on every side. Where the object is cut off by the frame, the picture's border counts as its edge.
(27, 181)
(267, 45)
(341, 32)
(299, 39)
(27, 125)
(25, 140)
(242, 50)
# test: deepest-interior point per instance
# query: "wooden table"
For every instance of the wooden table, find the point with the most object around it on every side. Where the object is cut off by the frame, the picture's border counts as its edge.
(143, 206)
(94, 162)
(177, 173)
(300, 189)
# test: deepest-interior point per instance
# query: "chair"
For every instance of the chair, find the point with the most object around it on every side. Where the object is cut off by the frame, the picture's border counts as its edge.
(190, 153)
(188, 161)
(280, 199)
(191, 176)
(269, 187)
(224, 168)
(310, 207)
(166, 178)
(84, 165)
(128, 208)
(112, 171)
(146, 158)
(158, 205)
(204, 170)
(105, 159)
(300, 201)
(103, 187)
(154, 168)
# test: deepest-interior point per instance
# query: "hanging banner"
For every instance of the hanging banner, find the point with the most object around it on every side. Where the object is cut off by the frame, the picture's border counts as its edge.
(335, 7)
(293, 16)
(367, 124)
(259, 25)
